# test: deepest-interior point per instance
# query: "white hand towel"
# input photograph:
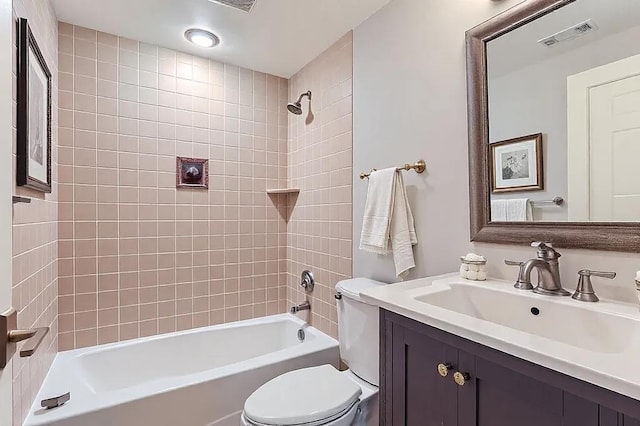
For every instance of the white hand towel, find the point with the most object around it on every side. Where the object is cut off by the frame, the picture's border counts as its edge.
(519, 210)
(378, 211)
(388, 224)
(403, 231)
(498, 210)
(511, 210)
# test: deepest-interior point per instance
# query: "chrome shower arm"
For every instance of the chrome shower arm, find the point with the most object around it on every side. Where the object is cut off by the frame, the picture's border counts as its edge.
(308, 94)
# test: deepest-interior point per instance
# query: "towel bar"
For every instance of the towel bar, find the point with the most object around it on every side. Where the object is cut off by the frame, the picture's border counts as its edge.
(557, 201)
(419, 166)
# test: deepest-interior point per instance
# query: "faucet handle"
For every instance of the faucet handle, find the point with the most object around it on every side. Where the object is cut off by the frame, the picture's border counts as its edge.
(520, 283)
(541, 245)
(584, 292)
(590, 273)
(545, 250)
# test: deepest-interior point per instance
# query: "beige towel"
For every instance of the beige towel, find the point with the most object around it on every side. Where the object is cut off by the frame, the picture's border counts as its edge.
(388, 225)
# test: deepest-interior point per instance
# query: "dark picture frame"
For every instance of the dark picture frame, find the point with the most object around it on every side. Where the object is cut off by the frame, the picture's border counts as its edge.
(33, 166)
(192, 173)
(533, 177)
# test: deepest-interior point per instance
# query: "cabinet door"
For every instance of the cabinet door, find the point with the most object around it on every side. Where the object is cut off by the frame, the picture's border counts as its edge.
(498, 396)
(421, 396)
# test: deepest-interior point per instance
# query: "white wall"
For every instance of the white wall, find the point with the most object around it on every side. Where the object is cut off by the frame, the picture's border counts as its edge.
(410, 103)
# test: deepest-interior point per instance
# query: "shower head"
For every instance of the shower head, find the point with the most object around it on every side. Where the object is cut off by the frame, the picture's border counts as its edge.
(296, 107)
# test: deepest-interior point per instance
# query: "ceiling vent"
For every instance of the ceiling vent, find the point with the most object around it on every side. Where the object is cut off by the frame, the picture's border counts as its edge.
(243, 5)
(576, 31)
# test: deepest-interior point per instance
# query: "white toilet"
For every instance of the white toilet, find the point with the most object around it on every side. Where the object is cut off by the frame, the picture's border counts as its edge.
(324, 396)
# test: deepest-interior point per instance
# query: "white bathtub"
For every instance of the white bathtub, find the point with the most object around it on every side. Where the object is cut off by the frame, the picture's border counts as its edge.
(199, 377)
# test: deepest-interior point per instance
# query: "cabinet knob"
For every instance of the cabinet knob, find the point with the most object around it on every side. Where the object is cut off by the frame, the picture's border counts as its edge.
(443, 369)
(461, 378)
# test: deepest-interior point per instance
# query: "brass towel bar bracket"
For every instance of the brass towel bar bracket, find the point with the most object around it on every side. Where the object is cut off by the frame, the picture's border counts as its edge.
(419, 166)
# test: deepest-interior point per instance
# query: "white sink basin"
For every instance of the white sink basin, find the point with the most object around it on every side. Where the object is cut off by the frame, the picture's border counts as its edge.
(571, 324)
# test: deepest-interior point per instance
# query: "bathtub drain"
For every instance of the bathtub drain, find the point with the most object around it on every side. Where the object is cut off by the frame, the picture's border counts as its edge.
(301, 335)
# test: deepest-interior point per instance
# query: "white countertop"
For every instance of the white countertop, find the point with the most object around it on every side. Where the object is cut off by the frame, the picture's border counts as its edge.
(616, 369)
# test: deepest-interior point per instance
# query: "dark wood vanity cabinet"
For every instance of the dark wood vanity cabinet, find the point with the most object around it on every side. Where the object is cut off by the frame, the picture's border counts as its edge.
(492, 388)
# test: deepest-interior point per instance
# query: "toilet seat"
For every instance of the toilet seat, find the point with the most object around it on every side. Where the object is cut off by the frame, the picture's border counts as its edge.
(341, 419)
(310, 396)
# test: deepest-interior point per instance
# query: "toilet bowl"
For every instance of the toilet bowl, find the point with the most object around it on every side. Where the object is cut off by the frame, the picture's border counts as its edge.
(323, 395)
(316, 396)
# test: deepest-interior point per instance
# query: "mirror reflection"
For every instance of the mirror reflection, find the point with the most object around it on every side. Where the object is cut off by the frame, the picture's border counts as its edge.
(564, 116)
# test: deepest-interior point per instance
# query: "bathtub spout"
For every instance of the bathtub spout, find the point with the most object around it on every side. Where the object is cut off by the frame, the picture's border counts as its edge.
(304, 306)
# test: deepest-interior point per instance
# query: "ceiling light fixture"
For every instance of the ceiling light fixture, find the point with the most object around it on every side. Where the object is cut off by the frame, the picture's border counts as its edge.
(202, 38)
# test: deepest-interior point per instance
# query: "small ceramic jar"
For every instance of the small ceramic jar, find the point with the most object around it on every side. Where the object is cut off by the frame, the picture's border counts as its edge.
(474, 270)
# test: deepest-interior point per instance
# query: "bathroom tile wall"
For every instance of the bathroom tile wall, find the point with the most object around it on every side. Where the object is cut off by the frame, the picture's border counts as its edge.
(137, 256)
(320, 164)
(35, 231)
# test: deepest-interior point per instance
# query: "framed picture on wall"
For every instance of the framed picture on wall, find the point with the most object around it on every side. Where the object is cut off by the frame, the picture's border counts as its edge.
(192, 173)
(33, 113)
(516, 164)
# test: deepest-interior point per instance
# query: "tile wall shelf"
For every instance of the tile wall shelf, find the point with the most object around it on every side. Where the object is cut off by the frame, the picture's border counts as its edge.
(283, 191)
(284, 199)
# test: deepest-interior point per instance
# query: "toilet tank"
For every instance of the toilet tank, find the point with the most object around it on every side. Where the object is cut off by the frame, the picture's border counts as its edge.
(358, 329)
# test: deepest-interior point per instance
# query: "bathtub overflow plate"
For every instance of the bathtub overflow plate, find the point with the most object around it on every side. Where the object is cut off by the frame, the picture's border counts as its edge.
(301, 335)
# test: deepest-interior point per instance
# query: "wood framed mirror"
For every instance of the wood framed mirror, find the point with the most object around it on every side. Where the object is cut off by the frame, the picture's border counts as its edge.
(589, 203)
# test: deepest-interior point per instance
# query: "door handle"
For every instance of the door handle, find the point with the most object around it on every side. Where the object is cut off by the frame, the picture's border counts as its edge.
(10, 336)
(16, 336)
(33, 339)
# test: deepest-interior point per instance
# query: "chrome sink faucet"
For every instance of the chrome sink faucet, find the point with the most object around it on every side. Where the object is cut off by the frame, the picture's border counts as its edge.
(548, 267)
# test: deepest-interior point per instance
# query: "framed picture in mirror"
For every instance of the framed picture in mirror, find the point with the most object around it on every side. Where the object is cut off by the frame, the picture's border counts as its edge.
(516, 164)
(33, 113)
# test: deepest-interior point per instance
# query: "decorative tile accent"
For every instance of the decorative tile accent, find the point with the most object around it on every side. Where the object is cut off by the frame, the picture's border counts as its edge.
(192, 173)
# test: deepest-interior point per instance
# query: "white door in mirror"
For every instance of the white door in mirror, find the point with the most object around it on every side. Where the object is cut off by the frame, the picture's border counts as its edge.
(604, 142)
(615, 151)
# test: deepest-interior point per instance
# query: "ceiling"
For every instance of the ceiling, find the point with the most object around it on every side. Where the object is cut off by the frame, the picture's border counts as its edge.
(277, 37)
(520, 47)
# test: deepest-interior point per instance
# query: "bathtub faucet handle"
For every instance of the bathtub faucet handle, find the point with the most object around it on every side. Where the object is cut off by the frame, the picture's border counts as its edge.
(304, 306)
(307, 281)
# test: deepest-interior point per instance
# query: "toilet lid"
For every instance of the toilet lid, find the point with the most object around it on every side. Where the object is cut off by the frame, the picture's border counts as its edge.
(302, 396)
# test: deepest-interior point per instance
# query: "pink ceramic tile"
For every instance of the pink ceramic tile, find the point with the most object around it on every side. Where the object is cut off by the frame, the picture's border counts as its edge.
(85, 48)
(108, 335)
(107, 39)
